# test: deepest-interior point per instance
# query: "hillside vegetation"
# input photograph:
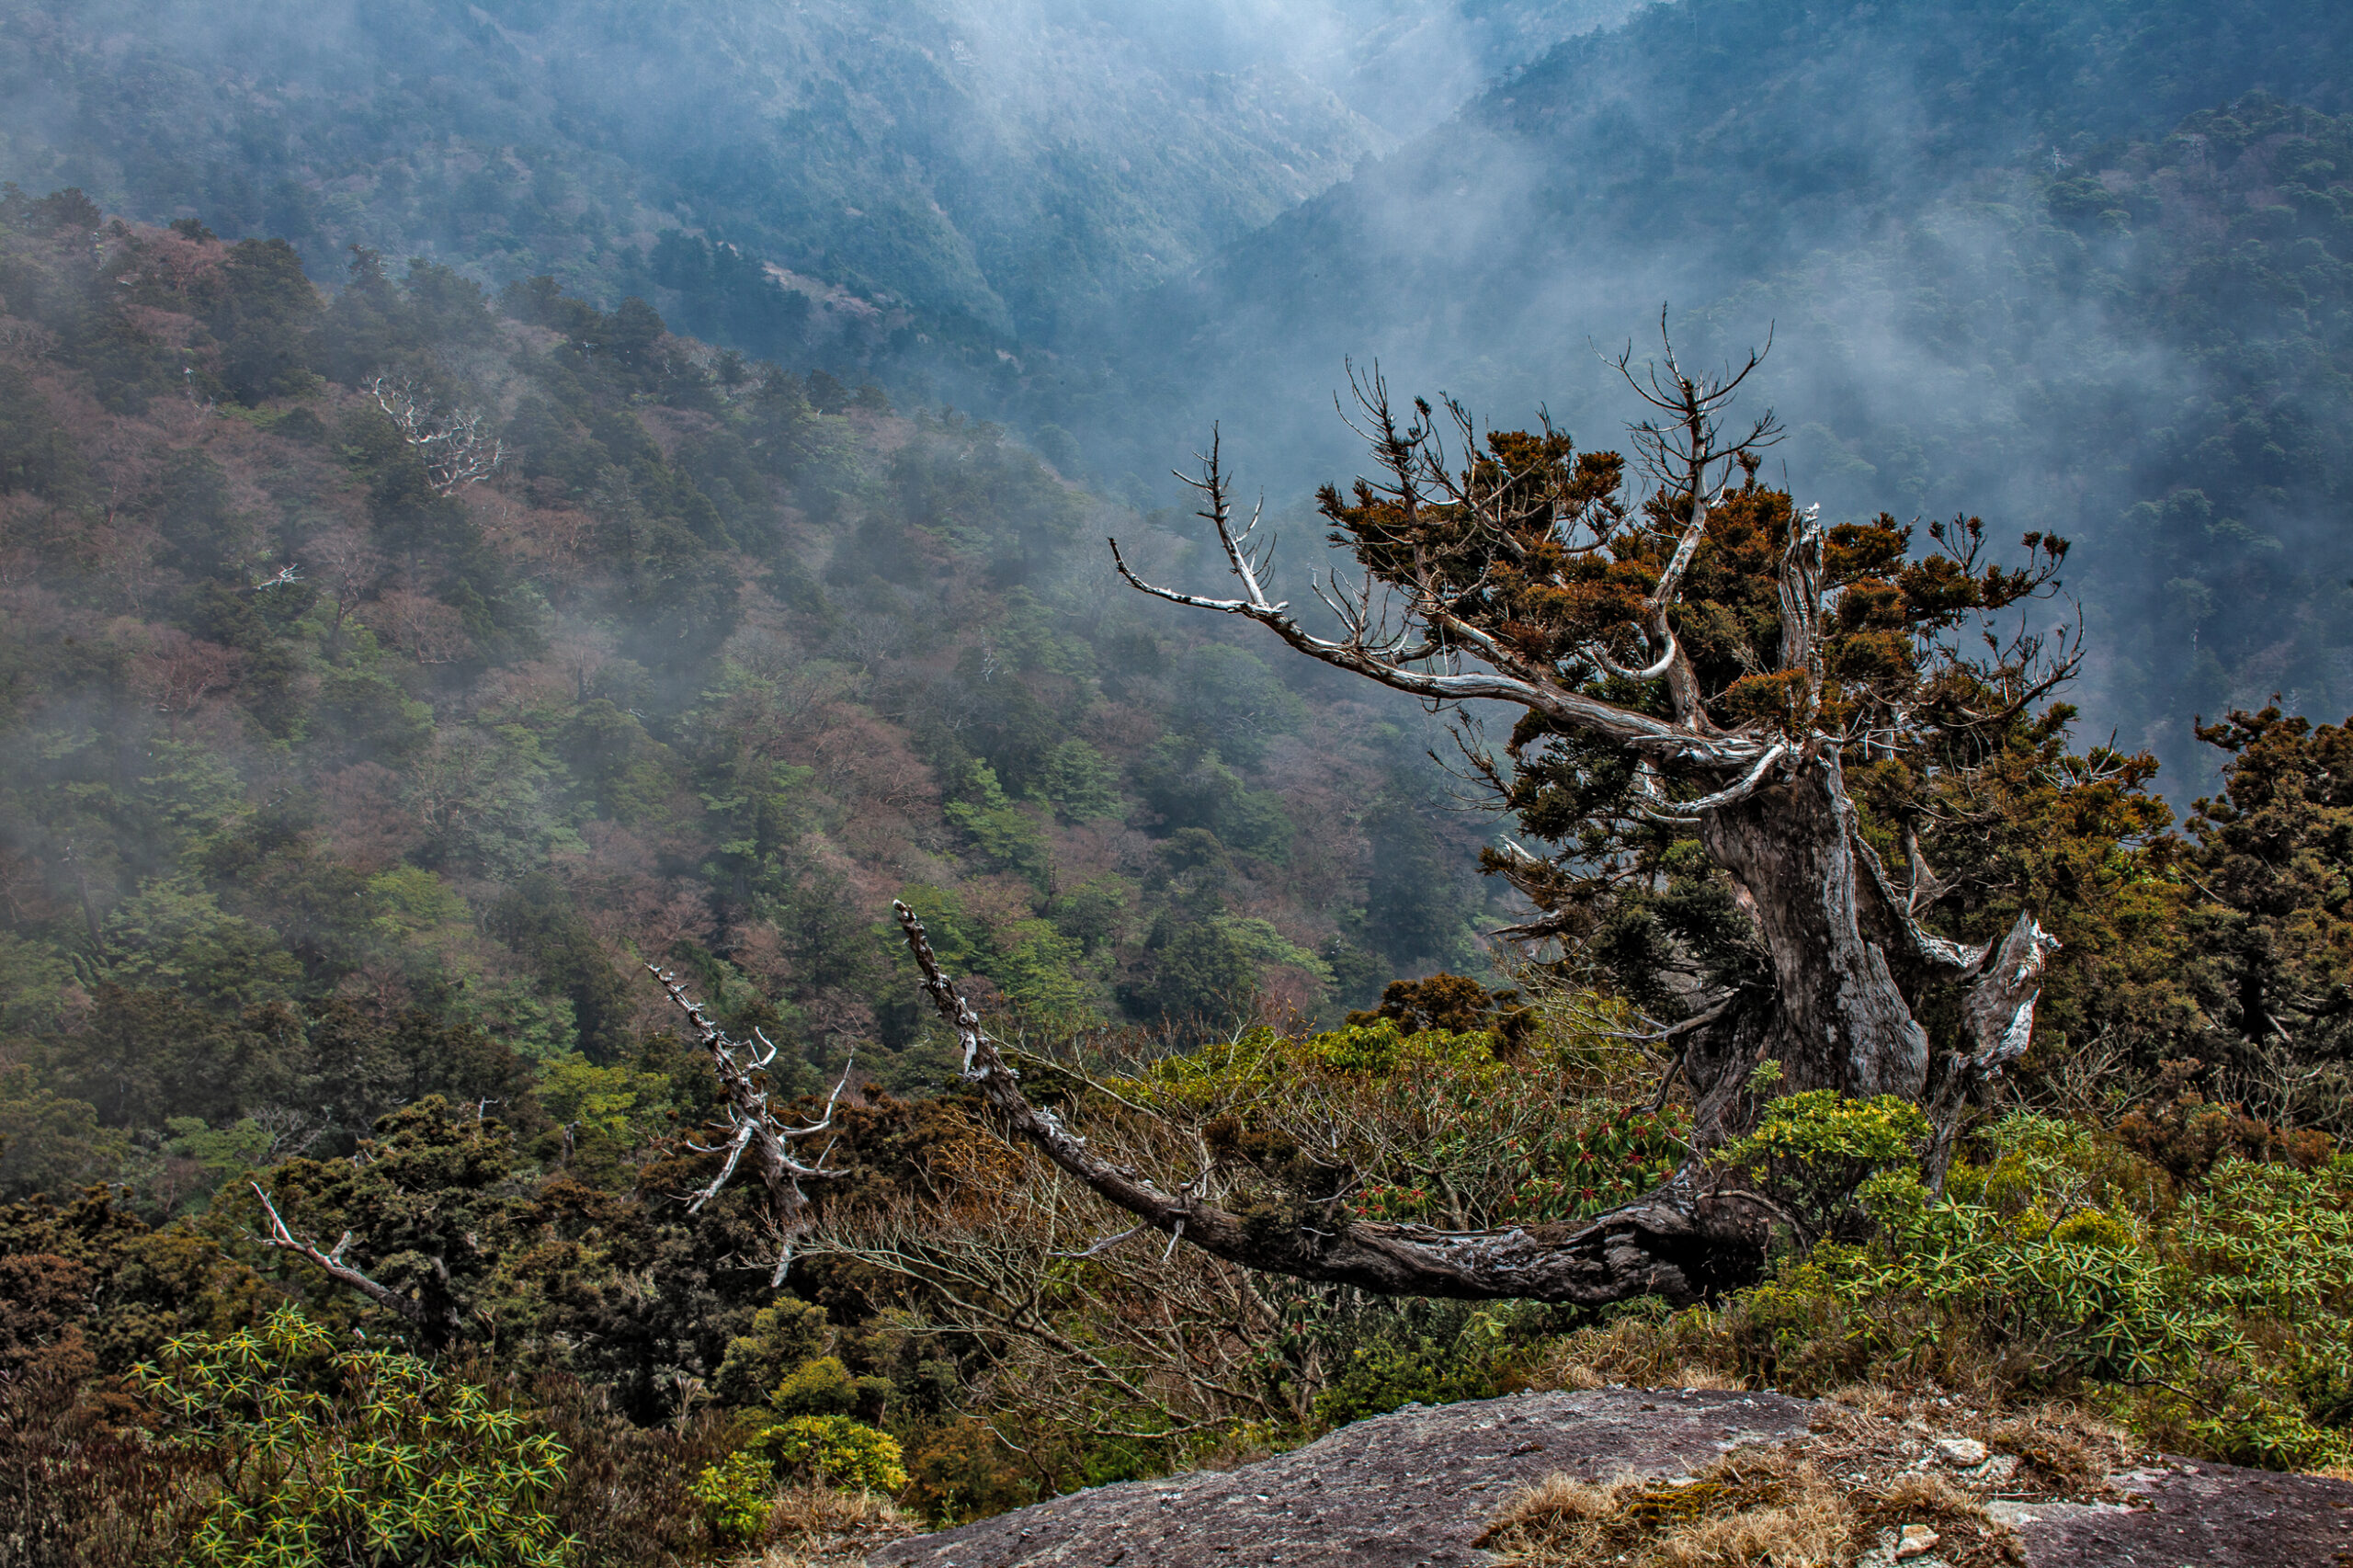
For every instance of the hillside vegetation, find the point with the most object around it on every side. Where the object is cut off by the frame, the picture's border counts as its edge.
(1123, 228)
(309, 735)
(350, 776)
(480, 514)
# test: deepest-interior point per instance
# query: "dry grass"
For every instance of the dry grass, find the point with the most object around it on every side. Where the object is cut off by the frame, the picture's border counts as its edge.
(816, 1527)
(1693, 1351)
(2063, 1453)
(1772, 1507)
(1575, 1375)
(1836, 1498)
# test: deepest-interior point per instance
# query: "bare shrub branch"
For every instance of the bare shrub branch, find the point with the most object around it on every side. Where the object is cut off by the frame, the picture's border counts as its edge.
(456, 448)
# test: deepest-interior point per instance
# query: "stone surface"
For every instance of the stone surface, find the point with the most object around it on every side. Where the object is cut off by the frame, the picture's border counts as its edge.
(1995, 1472)
(2197, 1515)
(1412, 1489)
(1415, 1489)
(1960, 1452)
(1917, 1541)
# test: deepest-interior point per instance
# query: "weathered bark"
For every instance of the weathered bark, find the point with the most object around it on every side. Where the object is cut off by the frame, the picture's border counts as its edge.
(1836, 1018)
(752, 1127)
(1999, 1012)
(1850, 966)
(1696, 1236)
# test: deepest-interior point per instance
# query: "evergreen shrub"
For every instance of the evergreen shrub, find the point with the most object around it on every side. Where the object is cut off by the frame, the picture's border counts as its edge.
(331, 1453)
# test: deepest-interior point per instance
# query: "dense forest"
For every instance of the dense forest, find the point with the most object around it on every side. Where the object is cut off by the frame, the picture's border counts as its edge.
(491, 501)
(716, 662)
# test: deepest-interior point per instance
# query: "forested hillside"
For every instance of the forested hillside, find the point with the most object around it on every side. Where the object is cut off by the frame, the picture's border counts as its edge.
(494, 497)
(316, 728)
(918, 185)
(959, 205)
(929, 169)
(389, 675)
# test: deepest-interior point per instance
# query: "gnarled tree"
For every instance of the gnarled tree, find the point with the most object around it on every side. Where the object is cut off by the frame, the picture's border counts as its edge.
(1704, 673)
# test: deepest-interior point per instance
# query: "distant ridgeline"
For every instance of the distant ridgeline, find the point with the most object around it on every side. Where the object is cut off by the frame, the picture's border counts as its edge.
(942, 182)
(381, 676)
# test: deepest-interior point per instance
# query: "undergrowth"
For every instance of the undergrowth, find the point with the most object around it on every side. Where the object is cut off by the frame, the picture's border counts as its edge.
(2209, 1316)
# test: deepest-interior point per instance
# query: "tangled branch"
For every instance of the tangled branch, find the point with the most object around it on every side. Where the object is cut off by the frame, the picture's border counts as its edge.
(751, 1126)
(451, 441)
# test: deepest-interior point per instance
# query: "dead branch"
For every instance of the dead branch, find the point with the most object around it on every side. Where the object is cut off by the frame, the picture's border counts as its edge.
(1397, 663)
(1683, 1239)
(449, 1324)
(455, 447)
(752, 1127)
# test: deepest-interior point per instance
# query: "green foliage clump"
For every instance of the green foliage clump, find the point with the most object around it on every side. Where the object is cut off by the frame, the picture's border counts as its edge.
(834, 1451)
(1414, 1358)
(786, 1335)
(1081, 781)
(735, 1496)
(821, 1386)
(2214, 1320)
(1008, 836)
(1588, 1165)
(1814, 1152)
(329, 1453)
(1477, 1126)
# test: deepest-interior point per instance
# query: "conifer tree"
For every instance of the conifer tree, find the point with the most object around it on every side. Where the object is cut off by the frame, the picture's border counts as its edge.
(1739, 729)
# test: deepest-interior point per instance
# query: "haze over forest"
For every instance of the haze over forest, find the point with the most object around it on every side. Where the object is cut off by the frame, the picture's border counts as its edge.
(2004, 271)
(496, 494)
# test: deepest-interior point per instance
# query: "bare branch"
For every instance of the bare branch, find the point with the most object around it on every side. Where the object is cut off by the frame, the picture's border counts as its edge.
(332, 1263)
(454, 446)
(1509, 679)
(752, 1127)
(1753, 780)
(1670, 1243)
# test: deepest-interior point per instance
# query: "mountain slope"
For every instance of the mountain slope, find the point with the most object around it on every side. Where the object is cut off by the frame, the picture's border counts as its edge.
(306, 729)
(972, 166)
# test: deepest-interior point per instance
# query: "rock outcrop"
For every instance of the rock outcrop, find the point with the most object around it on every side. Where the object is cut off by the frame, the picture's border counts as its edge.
(1416, 1489)
(1412, 1489)
(2191, 1514)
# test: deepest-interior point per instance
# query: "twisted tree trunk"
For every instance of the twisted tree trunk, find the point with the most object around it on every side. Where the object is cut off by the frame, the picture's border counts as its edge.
(1693, 1236)
(1836, 1017)
(1486, 564)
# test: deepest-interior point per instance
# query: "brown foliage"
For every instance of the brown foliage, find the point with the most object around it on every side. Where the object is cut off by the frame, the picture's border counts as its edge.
(78, 1491)
(2180, 1129)
(1454, 1002)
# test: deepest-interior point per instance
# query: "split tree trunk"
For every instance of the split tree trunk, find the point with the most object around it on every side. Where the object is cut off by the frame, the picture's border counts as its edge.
(1837, 1018)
